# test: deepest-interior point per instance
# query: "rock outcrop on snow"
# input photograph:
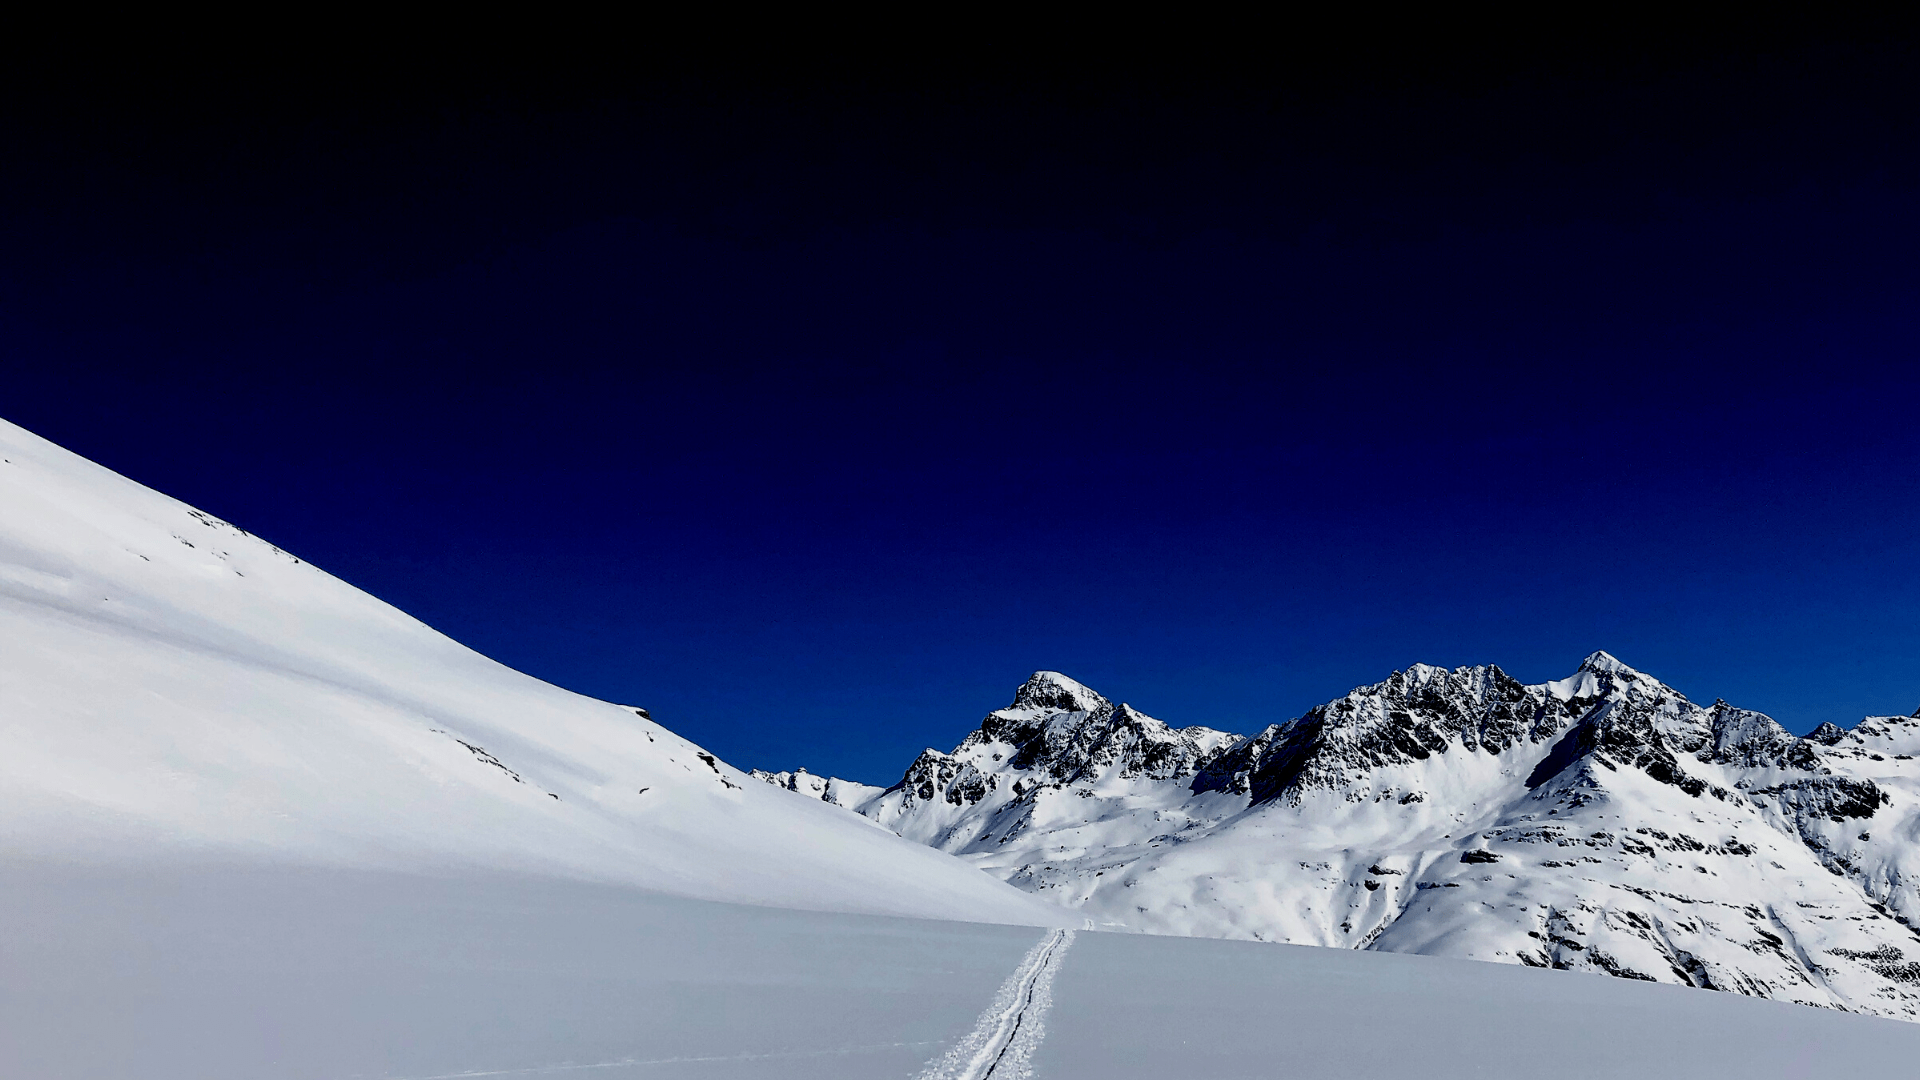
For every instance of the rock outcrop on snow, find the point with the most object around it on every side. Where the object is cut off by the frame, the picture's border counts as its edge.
(827, 789)
(1602, 822)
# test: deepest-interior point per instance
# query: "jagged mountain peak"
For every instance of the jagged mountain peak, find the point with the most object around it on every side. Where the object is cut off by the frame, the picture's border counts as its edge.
(1827, 734)
(1602, 660)
(1603, 675)
(1419, 680)
(1064, 732)
(1744, 736)
(1050, 690)
(1409, 717)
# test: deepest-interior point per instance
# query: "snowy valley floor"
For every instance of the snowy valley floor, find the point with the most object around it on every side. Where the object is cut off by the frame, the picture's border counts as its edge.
(304, 973)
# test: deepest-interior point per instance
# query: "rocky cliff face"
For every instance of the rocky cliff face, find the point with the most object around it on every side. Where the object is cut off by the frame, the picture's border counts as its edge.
(1600, 822)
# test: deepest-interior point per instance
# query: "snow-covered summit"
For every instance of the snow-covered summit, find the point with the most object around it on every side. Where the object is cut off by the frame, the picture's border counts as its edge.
(1597, 672)
(1601, 660)
(175, 689)
(1600, 822)
(1052, 691)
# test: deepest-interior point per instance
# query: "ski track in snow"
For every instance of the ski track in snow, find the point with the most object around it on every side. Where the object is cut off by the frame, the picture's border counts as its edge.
(1002, 1042)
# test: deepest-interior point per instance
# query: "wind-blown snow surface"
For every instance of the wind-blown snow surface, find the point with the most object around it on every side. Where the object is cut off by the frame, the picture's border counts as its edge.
(225, 973)
(175, 689)
(1600, 823)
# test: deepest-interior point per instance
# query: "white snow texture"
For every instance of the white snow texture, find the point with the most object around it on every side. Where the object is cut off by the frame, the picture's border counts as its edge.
(175, 688)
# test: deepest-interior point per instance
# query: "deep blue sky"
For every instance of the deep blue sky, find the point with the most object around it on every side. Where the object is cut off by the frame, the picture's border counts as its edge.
(815, 407)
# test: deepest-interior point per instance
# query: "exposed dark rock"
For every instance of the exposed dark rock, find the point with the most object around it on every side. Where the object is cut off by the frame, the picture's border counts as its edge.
(1410, 717)
(1835, 798)
(1827, 734)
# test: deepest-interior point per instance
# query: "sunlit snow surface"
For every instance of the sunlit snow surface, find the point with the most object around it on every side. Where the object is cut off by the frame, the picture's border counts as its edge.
(174, 688)
(213, 973)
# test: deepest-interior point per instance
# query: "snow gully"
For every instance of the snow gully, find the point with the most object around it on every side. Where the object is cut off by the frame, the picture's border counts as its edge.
(1002, 1042)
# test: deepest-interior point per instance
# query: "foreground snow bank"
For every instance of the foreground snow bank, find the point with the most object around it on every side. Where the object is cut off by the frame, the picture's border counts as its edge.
(218, 972)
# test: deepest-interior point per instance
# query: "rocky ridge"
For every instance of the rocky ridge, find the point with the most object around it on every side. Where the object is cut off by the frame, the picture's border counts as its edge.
(1602, 822)
(828, 789)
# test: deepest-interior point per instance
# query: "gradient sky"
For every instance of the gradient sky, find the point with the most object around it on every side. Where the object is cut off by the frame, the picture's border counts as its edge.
(814, 408)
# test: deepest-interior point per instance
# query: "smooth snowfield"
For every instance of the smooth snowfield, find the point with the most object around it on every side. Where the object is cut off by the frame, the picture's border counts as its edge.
(213, 973)
(173, 688)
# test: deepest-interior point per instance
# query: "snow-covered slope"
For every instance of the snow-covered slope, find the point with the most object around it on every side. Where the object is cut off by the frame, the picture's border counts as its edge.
(1601, 822)
(174, 689)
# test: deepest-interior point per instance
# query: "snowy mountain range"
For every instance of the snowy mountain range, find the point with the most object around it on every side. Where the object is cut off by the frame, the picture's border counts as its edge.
(213, 748)
(1600, 822)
